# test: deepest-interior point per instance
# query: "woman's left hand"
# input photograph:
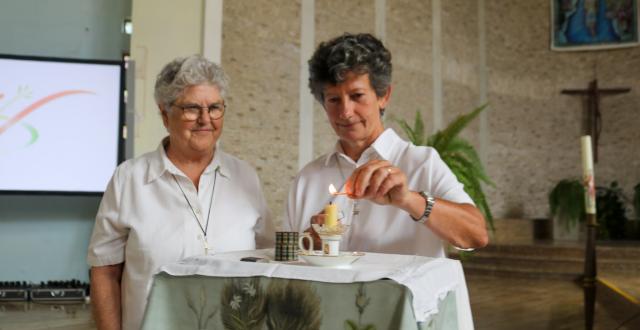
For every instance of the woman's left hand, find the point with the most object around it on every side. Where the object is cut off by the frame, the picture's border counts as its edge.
(380, 182)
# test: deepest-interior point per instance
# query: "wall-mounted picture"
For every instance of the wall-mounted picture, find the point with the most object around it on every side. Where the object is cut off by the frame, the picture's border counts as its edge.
(593, 24)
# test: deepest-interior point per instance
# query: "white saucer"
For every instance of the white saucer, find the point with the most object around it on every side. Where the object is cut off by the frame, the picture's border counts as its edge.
(345, 259)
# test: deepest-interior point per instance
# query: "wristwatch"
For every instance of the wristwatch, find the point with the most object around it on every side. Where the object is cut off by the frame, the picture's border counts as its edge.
(427, 209)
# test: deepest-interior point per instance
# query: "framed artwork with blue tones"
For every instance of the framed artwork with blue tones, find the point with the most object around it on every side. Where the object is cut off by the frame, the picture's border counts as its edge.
(593, 24)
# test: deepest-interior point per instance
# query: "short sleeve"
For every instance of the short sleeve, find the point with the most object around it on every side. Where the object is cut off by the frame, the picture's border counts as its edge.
(444, 184)
(108, 240)
(289, 222)
(264, 228)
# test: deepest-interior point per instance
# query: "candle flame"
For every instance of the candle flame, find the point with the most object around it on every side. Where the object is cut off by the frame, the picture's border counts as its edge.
(334, 192)
(332, 189)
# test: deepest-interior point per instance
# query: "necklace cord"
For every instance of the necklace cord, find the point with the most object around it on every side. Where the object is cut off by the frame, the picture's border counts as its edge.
(354, 206)
(206, 228)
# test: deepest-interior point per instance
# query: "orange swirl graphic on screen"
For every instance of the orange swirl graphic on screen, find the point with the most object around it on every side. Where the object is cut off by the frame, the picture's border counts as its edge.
(35, 105)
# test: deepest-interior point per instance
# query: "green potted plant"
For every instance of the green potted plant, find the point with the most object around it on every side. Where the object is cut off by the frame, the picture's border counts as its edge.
(634, 225)
(636, 201)
(457, 153)
(611, 212)
(566, 205)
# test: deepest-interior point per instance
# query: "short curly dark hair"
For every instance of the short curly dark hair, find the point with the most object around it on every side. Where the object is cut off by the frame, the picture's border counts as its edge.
(358, 53)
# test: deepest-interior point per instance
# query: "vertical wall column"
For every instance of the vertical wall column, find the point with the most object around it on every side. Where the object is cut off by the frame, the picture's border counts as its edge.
(212, 31)
(436, 40)
(381, 29)
(381, 19)
(482, 80)
(305, 132)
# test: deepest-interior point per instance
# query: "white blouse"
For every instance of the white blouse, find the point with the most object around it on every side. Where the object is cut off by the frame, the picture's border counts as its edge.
(151, 215)
(373, 227)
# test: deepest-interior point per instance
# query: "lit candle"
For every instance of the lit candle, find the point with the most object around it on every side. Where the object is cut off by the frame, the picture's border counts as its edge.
(330, 215)
(587, 171)
(333, 191)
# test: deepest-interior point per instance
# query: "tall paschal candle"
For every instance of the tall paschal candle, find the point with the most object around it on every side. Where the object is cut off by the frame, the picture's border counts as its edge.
(588, 178)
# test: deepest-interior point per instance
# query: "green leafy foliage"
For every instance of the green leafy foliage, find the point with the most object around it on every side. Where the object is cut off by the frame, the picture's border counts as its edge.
(362, 301)
(636, 200)
(202, 312)
(243, 304)
(566, 202)
(610, 212)
(352, 325)
(292, 304)
(457, 153)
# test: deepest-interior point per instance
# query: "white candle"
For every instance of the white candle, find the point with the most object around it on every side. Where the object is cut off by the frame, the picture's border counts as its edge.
(330, 215)
(587, 172)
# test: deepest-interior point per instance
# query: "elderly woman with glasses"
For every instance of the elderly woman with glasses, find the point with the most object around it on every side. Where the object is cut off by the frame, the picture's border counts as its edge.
(185, 199)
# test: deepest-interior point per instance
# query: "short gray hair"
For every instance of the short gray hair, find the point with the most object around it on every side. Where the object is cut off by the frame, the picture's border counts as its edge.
(184, 72)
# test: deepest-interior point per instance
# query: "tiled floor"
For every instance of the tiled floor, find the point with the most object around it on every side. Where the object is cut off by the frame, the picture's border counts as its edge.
(497, 303)
(31, 316)
(524, 303)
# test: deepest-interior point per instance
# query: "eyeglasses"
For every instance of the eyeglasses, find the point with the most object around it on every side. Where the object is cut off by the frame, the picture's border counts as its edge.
(192, 111)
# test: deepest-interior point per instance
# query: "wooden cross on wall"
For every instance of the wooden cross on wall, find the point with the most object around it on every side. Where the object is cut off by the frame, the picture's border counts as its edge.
(594, 117)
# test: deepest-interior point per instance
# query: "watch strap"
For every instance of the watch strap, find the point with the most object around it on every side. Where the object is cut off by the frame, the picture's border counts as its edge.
(430, 201)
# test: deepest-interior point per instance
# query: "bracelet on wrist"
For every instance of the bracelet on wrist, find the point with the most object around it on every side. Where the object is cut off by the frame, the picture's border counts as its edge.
(429, 203)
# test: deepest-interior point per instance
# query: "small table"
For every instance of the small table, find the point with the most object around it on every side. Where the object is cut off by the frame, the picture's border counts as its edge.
(377, 291)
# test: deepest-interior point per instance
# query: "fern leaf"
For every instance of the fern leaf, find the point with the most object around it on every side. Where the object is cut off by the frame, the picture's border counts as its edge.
(472, 185)
(350, 325)
(473, 167)
(463, 147)
(459, 155)
(566, 202)
(408, 131)
(435, 141)
(453, 129)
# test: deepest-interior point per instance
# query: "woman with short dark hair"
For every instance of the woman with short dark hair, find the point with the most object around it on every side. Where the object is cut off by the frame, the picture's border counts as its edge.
(400, 198)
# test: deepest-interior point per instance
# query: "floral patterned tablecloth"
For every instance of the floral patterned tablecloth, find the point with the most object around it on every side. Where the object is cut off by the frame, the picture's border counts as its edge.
(197, 299)
(204, 302)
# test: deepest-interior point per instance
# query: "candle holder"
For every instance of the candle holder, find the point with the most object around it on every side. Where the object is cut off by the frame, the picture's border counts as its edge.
(331, 237)
(336, 230)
